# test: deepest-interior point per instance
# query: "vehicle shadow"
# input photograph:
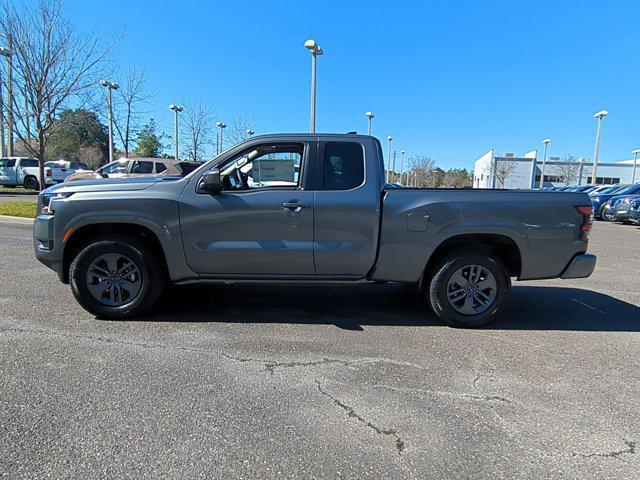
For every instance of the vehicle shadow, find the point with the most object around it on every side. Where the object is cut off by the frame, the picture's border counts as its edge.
(528, 308)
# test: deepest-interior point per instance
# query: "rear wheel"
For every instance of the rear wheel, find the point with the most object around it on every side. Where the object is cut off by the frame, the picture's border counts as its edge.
(116, 277)
(31, 183)
(468, 289)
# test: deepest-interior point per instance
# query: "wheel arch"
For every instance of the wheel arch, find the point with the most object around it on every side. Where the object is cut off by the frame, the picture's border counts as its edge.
(82, 236)
(503, 246)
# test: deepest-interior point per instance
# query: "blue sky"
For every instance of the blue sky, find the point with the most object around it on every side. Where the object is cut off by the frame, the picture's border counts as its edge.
(446, 79)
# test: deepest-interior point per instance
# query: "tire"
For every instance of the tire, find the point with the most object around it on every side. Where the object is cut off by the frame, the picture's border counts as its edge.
(31, 183)
(484, 304)
(607, 216)
(138, 288)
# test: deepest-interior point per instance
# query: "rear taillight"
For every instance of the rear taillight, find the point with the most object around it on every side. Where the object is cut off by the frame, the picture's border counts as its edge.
(47, 172)
(587, 212)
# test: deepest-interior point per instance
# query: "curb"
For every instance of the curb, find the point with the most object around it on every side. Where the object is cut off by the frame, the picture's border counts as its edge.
(7, 219)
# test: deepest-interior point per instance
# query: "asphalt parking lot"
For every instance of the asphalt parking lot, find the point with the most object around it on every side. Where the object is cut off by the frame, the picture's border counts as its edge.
(298, 382)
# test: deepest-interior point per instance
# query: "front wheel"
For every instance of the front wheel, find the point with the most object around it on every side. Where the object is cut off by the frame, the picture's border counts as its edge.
(468, 289)
(607, 215)
(116, 277)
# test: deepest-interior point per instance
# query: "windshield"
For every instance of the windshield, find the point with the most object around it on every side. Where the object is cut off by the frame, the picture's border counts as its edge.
(609, 189)
(119, 166)
(629, 189)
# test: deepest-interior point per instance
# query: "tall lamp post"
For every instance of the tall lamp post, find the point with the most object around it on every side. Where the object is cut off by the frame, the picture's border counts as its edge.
(250, 133)
(635, 161)
(390, 139)
(402, 152)
(221, 126)
(110, 86)
(6, 52)
(176, 109)
(370, 116)
(315, 50)
(544, 160)
(599, 115)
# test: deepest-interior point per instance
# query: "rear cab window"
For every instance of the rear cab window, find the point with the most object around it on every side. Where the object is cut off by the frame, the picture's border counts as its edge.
(343, 165)
(28, 162)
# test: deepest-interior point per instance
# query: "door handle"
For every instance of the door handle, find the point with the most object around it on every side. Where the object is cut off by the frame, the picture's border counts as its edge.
(295, 205)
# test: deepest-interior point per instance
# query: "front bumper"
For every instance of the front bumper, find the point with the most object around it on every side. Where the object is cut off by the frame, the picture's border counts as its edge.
(580, 266)
(44, 244)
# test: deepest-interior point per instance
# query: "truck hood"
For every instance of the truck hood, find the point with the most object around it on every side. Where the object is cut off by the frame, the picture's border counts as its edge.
(107, 185)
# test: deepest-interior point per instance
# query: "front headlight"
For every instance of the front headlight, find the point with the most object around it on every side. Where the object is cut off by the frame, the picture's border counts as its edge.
(49, 198)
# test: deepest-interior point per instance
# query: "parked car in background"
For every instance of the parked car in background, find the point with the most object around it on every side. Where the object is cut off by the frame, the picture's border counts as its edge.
(131, 167)
(57, 171)
(19, 171)
(619, 208)
(634, 211)
(598, 200)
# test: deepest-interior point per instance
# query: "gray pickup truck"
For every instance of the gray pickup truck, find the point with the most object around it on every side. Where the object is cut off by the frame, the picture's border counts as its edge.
(306, 208)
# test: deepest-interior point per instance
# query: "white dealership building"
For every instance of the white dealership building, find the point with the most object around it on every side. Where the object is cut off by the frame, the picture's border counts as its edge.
(511, 171)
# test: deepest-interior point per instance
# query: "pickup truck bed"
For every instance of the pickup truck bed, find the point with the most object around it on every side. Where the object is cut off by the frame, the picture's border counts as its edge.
(306, 208)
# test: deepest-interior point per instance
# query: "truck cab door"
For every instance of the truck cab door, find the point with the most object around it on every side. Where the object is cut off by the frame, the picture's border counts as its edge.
(261, 223)
(347, 207)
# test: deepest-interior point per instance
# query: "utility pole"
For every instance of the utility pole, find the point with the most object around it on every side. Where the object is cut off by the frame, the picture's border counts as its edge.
(176, 109)
(402, 152)
(2, 152)
(315, 50)
(370, 116)
(635, 161)
(599, 115)
(110, 86)
(222, 126)
(26, 111)
(544, 160)
(390, 139)
(9, 54)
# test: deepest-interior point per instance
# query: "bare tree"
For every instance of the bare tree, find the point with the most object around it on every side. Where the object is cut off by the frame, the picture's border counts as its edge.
(237, 131)
(422, 169)
(568, 169)
(52, 64)
(198, 128)
(503, 169)
(126, 106)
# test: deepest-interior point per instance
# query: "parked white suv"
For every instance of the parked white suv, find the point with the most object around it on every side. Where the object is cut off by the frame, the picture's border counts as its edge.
(19, 171)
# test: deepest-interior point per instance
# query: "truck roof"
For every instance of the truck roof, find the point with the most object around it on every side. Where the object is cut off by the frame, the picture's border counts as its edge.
(311, 135)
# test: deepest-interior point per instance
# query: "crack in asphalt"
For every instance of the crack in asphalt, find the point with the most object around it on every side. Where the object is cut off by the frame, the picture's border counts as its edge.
(270, 366)
(400, 445)
(631, 450)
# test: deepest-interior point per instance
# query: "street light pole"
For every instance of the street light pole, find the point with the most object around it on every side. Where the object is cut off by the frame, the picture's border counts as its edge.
(250, 133)
(110, 86)
(599, 115)
(544, 160)
(1, 119)
(390, 139)
(6, 52)
(370, 116)
(176, 109)
(315, 50)
(222, 126)
(402, 152)
(635, 161)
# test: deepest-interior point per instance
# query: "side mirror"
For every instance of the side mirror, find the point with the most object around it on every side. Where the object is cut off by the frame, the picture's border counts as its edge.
(210, 182)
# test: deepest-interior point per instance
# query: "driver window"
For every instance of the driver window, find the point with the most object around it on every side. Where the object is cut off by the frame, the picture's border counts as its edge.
(264, 166)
